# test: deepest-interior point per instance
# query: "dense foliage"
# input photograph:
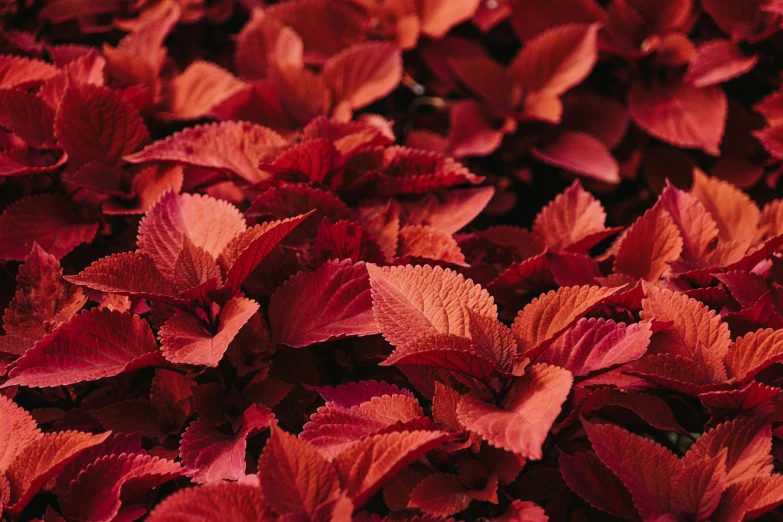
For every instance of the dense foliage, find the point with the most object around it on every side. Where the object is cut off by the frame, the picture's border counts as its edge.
(359, 260)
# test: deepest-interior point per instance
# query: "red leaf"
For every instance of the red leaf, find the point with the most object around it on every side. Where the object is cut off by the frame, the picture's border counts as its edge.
(27, 116)
(519, 511)
(235, 146)
(440, 495)
(185, 340)
(449, 211)
(264, 42)
(589, 478)
(648, 246)
(96, 124)
(404, 312)
(227, 502)
(129, 273)
(43, 301)
(331, 302)
(95, 344)
(736, 215)
(295, 478)
(210, 455)
(570, 218)
(366, 465)
(523, 420)
(355, 393)
(363, 73)
(315, 159)
(210, 224)
(199, 89)
(748, 441)
(581, 153)
(547, 316)
(697, 227)
(553, 62)
(682, 115)
(671, 371)
(17, 431)
(472, 131)
(429, 243)
(701, 484)
(16, 71)
(596, 344)
(112, 485)
(243, 254)
(438, 16)
(752, 353)
(41, 460)
(645, 467)
(750, 499)
(717, 61)
(740, 19)
(333, 428)
(47, 219)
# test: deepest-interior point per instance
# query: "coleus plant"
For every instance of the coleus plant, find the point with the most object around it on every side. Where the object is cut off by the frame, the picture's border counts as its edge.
(245, 278)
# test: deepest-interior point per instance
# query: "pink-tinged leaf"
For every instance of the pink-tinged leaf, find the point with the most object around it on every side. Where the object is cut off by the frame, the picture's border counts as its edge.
(548, 315)
(27, 116)
(326, 28)
(295, 478)
(697, 227)
(411, 302)
(21, 161)
(193, 268)
(648, 246)
(752, 353)
(519, 511)
(450, 211)
(446, 352)
(96, 124)
(363, 73)
(589, 478)
(570, 218)
(736, 215)
(17, 431)
(128, 273)
(522, 421)
(689, 323)
(211, 455)
(355, 393)
(553, 62)
(43, 301)
(210, 224)
(651, 409)
(331, 302)
(494, 340)
(701, 483)
(263, 43)
(573, 268)
(41, 460)
(148, 186)
(754, 397)
(645, 467)
(366, 465)
(748, 441)
(472, 131)
(581, 153)
(671, 371)
(440, 495)
(746, 287)
(346, 240)
(596, 344)
(438, 16)
(227, 502)
(50, 220)
(742, 20)
(199, 89)
(750, 499)
(115, 484)
(682, 115)
(426, 242)
(332, 428)
(185, 339)
(235, 146)
(314, 159)
(16, 71)
(95, 344)
(243, 254)
(717, 61)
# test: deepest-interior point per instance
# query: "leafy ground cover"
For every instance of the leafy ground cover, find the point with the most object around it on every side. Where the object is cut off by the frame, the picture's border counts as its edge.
(358, 260)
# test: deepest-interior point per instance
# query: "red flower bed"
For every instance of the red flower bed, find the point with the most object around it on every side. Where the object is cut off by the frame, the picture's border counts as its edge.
(348, 260)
